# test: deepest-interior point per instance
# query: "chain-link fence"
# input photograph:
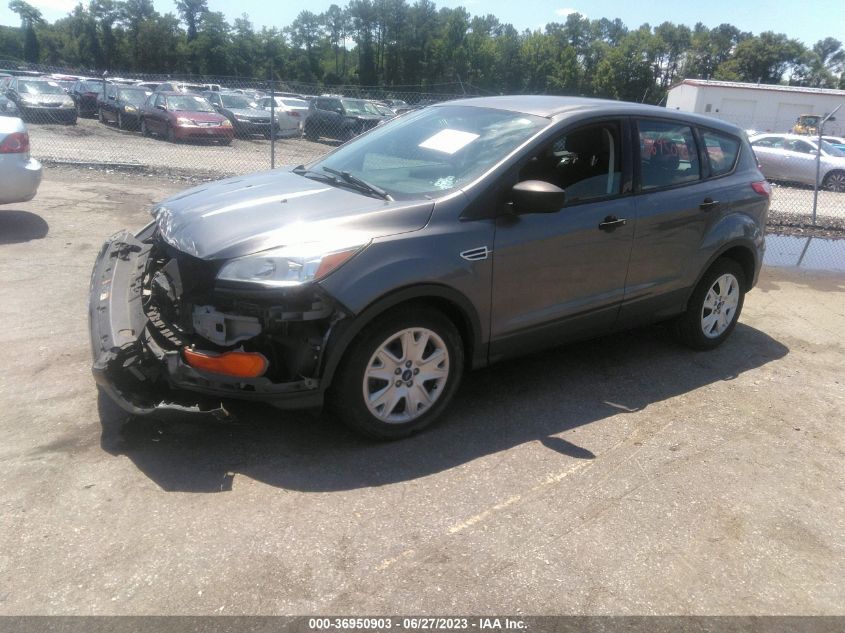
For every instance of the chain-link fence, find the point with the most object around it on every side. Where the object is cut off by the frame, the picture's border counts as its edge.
(212, 127)
(207, 126)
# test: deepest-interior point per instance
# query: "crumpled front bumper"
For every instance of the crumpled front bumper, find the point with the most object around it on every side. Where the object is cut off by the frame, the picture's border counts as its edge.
(139, 373)
(119, 338)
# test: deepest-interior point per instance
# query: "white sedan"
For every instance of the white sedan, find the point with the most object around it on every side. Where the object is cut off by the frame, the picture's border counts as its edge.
(290, 114)
(20, 174)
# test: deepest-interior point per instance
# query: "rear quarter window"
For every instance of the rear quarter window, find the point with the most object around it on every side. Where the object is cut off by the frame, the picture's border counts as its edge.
(722, 151)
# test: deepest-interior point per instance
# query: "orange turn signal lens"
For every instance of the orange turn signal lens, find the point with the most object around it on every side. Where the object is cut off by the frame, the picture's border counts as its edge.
(237, 364)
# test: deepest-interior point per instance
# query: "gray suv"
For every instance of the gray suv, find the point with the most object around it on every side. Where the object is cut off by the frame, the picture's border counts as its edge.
(452, 237)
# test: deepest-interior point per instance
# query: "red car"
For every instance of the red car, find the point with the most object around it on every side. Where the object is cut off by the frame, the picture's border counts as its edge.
(180, 116)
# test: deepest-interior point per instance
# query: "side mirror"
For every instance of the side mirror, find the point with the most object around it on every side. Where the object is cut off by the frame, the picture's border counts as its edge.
(537, 196)
(161, 107)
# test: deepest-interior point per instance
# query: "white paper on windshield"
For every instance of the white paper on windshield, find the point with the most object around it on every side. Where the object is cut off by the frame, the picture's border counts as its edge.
(449, 141)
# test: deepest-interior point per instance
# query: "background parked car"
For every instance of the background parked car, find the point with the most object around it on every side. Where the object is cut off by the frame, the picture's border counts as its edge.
(837, 141)
(290, 112)
(149, 85)
(243, 113)
(84, 94)
(8, 107)
(339, 118)
(792, 158)
(383, 111)
(41, 100)
(180, 116)
(397, 105)
(19, 172)
(122, 105)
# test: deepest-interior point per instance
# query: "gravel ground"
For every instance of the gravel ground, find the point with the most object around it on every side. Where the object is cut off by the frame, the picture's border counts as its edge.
(90, 141)
(622, 476)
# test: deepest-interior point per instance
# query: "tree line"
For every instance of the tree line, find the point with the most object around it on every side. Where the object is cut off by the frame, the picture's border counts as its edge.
(395, 44)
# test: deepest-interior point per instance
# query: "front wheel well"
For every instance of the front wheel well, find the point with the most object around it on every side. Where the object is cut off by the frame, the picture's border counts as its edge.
(467, 327)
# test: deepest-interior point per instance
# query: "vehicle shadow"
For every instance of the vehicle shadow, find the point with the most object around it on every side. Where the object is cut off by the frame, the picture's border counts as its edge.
(21, 226)
(530, 399)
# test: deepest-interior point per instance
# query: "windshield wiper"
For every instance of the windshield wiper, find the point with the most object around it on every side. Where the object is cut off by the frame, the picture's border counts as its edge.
(360, 183)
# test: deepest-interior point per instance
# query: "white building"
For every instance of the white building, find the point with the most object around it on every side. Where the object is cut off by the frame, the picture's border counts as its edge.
(756, 106)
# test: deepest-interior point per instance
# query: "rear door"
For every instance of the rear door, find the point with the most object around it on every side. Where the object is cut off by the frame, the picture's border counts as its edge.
(560, 276)
(674, 206)
(800, 163)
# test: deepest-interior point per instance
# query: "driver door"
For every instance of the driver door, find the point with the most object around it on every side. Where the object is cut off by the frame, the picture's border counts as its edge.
(561, 276)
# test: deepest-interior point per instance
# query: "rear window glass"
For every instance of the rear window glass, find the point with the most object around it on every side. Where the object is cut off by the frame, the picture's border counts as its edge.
(668, 155)
(722, 151)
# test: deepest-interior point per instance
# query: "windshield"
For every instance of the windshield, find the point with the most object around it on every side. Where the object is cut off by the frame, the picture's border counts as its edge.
(434, 151)
(40, 88)
(189, 104)
(293, 103)
(831, 150)
(90, 86)
(356, 106)
(236, 101)
(134, 97)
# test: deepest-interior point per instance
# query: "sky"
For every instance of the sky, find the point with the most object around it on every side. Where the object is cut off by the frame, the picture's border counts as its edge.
(808, 21)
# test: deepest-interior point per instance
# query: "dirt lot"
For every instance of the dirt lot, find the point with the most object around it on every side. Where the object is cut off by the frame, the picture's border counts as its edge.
(623, 476)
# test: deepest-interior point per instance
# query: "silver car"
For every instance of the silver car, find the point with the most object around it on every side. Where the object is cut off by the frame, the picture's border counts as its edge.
(290, 114)
(20, 174)
(792, 158)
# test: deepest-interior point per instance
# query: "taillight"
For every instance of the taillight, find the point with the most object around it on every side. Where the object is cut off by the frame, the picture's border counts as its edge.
(293, 113)
(15, 143)
(762, 187)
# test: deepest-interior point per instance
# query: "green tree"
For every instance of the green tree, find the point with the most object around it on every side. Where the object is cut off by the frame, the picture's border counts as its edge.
(30, 17)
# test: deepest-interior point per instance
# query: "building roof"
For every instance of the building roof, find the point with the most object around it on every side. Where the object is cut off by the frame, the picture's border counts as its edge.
(750, 86)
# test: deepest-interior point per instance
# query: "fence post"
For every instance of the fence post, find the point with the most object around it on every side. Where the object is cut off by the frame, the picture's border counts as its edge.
(819, 160)
(272, 124)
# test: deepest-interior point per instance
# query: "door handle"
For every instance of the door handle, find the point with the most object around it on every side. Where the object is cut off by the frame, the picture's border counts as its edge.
(611, 223)
(708, 203)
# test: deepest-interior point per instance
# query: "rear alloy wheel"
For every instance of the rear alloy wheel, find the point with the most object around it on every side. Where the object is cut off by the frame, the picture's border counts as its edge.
(835, 181)
(391, 385)
(714, 307)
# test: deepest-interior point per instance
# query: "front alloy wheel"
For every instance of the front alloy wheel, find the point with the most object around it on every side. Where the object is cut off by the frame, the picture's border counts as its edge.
(399, 374)
(406, 375)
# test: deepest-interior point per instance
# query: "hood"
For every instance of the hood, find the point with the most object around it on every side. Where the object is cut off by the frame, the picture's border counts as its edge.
(252, 113)
(206, 117)
(249, 214)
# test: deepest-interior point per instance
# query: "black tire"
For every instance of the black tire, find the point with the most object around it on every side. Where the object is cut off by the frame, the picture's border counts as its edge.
(171, 134)
(348, 134)
(835, 181)
(311, 133)
(145, 131)
(120, 124)
(71, 121)
(100, 116)
(226, 142)
(690, 325)
(346, 396)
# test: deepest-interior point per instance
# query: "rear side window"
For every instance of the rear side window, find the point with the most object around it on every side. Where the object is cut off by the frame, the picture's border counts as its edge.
(668, 155)
(721, 150)
(768, 141)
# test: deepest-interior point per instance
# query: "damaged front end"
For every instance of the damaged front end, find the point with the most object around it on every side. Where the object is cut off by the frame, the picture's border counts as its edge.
(166, 338)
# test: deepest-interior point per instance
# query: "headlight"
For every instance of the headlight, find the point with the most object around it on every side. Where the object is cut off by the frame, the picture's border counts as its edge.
(289, 265)
(67, 102)
(130, 108)
(184, 122)
(226, 123)
(29, 98)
